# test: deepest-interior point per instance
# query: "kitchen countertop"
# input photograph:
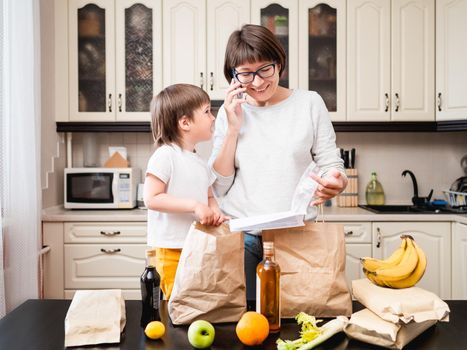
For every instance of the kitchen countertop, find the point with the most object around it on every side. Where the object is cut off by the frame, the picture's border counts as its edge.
(39, 324)
(332, 214)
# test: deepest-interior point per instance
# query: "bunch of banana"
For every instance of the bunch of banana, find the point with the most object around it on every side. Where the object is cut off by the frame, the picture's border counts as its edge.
(403, 269)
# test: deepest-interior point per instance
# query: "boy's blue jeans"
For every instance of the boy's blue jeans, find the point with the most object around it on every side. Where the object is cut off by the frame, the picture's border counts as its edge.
(253, 256)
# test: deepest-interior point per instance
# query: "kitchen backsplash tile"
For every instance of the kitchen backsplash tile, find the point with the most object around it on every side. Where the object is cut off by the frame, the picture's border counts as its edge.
(433, 157)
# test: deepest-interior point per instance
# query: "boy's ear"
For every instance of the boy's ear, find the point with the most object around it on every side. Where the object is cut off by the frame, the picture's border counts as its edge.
(184, 123)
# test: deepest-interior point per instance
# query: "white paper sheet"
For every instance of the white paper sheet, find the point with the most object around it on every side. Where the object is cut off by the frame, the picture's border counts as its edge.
(302, 197)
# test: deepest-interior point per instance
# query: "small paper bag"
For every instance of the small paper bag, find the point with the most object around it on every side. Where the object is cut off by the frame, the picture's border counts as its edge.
(210, 279)
(400, 305)
(368, 327)
(312, 262)
(95, 317)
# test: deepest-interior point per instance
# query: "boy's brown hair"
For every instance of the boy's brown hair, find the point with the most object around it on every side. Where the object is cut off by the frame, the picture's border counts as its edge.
(252, 43)
(169, 106)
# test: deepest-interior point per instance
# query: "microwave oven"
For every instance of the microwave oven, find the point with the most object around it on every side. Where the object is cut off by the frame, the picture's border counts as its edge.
(101, 188)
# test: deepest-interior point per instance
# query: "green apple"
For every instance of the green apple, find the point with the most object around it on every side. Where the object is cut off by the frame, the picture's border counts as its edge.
(201, 334)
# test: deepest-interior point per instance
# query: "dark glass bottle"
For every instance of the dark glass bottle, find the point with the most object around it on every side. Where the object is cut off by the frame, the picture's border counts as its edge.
(150, 291)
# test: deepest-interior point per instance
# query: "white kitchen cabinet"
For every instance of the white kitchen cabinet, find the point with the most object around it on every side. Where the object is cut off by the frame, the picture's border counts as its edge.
(459, 261)
(435, 240)
(451, 55)
(358, 244)
(390, 60)
(313, 35)
(115, 60)
(100, 266)
(93, 255)
(353, 267)
(195, 37)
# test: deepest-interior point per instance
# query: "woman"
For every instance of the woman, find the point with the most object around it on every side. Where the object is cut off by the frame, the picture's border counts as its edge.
(265, 137)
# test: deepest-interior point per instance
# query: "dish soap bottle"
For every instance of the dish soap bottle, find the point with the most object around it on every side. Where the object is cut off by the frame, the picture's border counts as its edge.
(268, 275)
(374, 191)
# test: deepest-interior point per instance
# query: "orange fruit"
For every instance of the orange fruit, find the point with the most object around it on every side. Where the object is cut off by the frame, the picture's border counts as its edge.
(252, 329)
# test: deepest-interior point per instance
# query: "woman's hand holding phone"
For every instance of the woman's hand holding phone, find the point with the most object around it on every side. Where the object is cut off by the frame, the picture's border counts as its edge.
(232, 105)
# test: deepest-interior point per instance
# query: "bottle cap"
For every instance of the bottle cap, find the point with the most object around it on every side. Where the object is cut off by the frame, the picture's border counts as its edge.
(268, 247)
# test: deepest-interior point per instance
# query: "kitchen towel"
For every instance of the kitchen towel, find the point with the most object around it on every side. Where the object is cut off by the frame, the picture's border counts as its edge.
(368, 327)
(400, 305)
(210, 279)
(312, 262)
(95, 317)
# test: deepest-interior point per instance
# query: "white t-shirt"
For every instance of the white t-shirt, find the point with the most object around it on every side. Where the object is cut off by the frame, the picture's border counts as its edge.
(186, 176)
(275, 145)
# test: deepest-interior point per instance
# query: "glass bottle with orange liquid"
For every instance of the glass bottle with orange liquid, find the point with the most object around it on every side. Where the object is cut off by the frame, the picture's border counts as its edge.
(268, 288)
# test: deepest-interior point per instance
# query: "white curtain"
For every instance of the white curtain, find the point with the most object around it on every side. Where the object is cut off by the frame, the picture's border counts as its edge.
(20, 152)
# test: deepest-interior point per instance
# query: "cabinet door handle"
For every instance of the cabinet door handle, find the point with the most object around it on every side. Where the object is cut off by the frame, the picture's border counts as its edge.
(439, 101)
(348, 233)
(119, 102)
(378, 237)
(211, 81)
(114, 233)
(397, 102)
(201, 80)
(109, 103)
(110, 251)
(386, 95)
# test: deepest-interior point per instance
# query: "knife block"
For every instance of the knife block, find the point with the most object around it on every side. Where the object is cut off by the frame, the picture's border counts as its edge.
(349, 197)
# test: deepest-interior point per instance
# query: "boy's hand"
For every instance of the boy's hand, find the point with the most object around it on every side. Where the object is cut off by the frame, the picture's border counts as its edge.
(205, 214)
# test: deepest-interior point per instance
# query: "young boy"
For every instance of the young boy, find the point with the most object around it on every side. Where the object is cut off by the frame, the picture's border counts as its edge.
(177, 188)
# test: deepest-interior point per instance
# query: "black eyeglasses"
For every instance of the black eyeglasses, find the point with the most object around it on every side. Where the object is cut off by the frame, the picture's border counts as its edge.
(266, 71)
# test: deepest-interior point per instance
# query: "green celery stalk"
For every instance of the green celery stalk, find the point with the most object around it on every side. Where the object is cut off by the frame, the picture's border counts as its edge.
(311, 334)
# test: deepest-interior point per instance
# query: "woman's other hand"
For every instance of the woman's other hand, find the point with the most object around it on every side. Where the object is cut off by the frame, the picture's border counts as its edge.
(219, 216)
(232, 105)
(328, 187)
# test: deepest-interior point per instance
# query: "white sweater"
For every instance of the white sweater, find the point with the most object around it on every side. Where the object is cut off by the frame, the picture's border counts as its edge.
(274, 148)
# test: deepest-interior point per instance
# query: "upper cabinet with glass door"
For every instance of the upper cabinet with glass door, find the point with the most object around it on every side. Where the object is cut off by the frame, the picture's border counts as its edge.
(313, 35)
(280, 17)
(323, 52)
(115, 59)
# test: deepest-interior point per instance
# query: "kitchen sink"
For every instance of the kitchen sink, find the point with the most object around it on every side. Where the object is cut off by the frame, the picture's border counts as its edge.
(402, 209)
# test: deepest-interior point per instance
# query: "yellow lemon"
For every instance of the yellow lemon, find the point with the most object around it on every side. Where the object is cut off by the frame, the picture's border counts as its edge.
(154, 330)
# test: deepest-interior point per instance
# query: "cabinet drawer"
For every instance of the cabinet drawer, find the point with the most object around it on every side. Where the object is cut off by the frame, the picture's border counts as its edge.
(128, 294)
(105, 232)
(357, 232)
(93, 266)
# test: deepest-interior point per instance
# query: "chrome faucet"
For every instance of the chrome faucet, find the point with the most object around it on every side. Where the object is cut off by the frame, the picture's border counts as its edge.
(416, 200)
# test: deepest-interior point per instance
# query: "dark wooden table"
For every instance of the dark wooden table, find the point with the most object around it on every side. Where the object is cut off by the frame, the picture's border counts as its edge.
(39, 324)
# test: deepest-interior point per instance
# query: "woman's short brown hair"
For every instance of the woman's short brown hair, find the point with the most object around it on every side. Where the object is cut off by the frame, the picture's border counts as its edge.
(169, 106)
(252, 43)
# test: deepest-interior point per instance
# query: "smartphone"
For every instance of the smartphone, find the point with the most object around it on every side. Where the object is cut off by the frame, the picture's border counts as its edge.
(240, 94)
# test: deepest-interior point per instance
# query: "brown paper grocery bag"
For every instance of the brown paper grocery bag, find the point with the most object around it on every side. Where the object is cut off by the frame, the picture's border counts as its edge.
(210, 279)
(312, 262)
